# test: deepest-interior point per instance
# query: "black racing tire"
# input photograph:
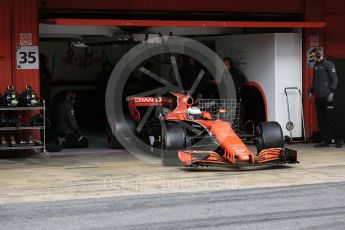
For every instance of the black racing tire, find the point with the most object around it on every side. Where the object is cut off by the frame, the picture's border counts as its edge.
(119, 128)
(269, 135)
(114, 143)
(173, 139)
(111, 139)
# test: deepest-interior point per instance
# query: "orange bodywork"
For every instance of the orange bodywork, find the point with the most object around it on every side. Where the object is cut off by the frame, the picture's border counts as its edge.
(269, 155)
(235, 151)
(195, 158)
(180, 112)
(188, 158)
(234, 148)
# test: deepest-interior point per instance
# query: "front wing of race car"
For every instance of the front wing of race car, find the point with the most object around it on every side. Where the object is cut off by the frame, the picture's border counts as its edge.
(273, 156)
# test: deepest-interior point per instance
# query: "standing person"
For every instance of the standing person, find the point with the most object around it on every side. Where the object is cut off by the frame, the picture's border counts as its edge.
(237, 76)
(324, 84)
(66, 123)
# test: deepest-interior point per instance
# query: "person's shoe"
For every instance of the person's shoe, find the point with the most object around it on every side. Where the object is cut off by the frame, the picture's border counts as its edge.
(30, 141)
(13, 141)
(339, 143)
(322, 144)
(3, 141)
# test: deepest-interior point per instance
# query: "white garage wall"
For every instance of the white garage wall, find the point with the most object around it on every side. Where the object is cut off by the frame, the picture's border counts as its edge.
(273, 61)
(253, 55)
(288, 73)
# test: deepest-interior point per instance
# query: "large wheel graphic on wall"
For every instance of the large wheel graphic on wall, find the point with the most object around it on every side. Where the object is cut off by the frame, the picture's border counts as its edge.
(135, 139)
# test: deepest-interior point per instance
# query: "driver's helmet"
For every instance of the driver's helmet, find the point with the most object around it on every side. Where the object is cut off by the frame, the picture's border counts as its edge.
(10, 97)
(28, 97)
(194, 113)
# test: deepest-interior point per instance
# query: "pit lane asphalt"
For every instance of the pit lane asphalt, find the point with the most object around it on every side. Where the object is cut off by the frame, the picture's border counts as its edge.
(318, 206)
(108, 173)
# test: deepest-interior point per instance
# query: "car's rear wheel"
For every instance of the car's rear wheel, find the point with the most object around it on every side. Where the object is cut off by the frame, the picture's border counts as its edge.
(269, 135)
(173, 139)
(125, 126)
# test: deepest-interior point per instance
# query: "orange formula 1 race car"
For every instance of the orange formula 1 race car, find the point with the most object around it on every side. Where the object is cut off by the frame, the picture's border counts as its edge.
(200, 133)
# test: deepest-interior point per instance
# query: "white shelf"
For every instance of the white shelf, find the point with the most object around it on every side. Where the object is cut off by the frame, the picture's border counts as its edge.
(20, 128)
(21, 108)
(36, 148)
(21, 147)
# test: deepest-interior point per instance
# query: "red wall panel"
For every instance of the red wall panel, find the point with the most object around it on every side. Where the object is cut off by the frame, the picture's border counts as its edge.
(335, 36)
(6, 3)
(25, 21)
(311, 122)
(313, 10)
(273, 6)
(334, 7)
(5, 48)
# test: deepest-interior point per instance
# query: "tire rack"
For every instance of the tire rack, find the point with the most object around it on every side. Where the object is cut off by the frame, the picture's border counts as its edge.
(36, 148)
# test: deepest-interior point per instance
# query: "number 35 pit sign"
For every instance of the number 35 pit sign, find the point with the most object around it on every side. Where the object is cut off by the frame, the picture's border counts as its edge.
(27, 57)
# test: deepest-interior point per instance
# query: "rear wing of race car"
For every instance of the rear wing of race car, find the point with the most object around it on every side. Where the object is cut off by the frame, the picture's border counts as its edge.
(177, 103)
(135, 102)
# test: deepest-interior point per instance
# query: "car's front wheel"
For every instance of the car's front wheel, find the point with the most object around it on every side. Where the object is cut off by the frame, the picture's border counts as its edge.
(269, 135)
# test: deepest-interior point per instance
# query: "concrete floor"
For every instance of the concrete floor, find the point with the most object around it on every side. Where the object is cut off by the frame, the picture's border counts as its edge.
(97, 172)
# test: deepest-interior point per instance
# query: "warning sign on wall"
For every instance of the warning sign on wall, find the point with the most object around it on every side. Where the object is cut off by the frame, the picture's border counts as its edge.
(314, 40)
(25, 39)
(27, 57)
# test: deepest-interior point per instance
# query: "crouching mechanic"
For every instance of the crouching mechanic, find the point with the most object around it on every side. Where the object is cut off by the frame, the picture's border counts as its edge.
(66, 125)
(324, 84)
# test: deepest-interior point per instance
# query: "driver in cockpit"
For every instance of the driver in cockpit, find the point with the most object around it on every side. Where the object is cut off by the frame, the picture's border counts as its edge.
(194, 113)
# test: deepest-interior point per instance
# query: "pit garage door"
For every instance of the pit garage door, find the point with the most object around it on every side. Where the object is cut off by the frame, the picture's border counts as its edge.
(199, 25)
